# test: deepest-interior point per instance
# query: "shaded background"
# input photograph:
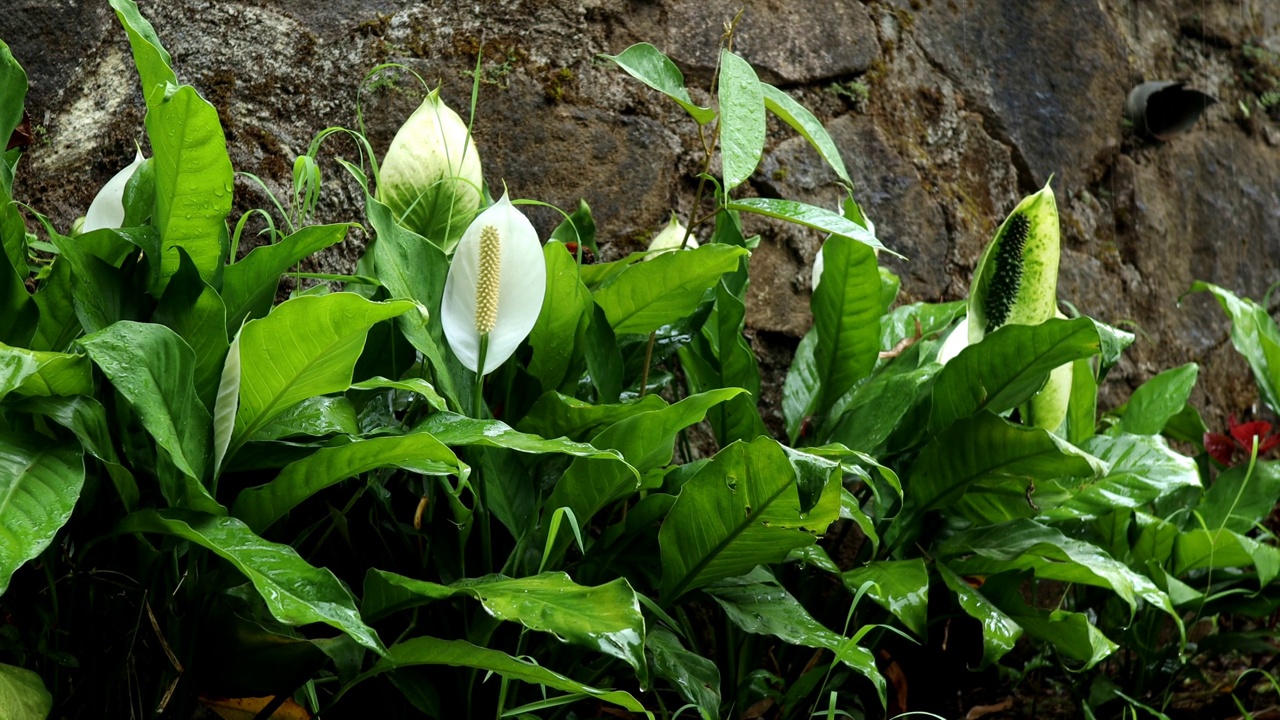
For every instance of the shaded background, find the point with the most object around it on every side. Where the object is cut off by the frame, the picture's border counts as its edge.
(946, 112)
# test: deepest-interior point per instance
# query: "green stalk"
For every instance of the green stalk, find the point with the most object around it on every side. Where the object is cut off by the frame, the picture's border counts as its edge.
(477, 475)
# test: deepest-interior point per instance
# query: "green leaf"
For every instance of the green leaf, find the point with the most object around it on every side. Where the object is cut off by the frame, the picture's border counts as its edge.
(555, 415)
(1238, 500)
(418, 452)
(742, 122)
(194, 310)
(295, 592)
(604, 358)
(58, 324)
(22, 693)
(314, 417)
(454, 429)
(802, 121)
(758, 605)
(566, 309)
(458, 653)
(39, 484)
(1159, 399)
(801, 387)
(226, 404)
(738, 419)
(43, 374)
(900, 586)
(696, 678)
(1024, 544)
(307, 346)
(193, 180)
(1007, 367)
(741, 509)
(646, 441)
(647, 64)
(605, 618)
(982, 469)
(1070, 633)
(999, 631)
(86, 417)
(808, 216)
(154, 370)
(150, 57)
(1255, 336)
(19, 314)
(1142, 469)
(580, 228)
(249, 286)
(1082, 410)
(1200, 548)
(13, 93)
(870, 414)
(646, 296)
(417, 386)
(846, 318)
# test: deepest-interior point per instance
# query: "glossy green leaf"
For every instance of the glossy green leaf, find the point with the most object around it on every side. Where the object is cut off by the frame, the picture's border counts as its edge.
(1082, 410)
(646, 296)
(999, 631)
(40, 482)
(416, 386)
(766, 608)
(154, 370)
(19, 314)
(22, 694)
(1157, 400)
(43, 374)
(983, 468)
(900, 586)
(604, 358)
(249, 286)
(741, 509)
(808, 216)
(454, 429)
(1255, 336)
(646, 441)
(58, 324)
(86, 417)
(295, 592)
(696, 678)
(13, 92)
(555, 415)
(98, 288)
(150, 57)
(459, 653)
(418, 452)
(1007, 368)
(1219, 548)
(801, 387)
(1142, 468)
(1070, 633)
(739, 418)
(193, 180)
(226, 404)
(1155, 541)
(566, 310)
(647, 64)
(579, 227)
(802, 121)
(1238, 500)
(1024, 544)
(307, 346)
(870, 414)
(314, 417)
(742, 123)
(846, 318)
(605, 618)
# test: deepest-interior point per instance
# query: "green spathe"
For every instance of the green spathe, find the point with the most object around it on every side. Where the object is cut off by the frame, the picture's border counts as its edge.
(431, 177)
(1027, 277)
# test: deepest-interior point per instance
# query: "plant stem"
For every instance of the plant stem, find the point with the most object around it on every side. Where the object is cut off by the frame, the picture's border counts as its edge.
(477, 474)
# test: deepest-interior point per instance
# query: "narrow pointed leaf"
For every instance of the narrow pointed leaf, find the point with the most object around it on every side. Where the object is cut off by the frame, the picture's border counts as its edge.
(802, 121)
(846, 318)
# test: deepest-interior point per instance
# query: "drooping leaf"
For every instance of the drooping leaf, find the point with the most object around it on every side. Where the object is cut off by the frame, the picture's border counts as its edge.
(86, 417)
(808, 216)
(695, 677)
(43, 374)
(742, 122)
(154, 369)
(900, 586)
(802, 121)
(646, 296)
(647, 64)
(1222, 548)
(418, 452)
(40, 482)
(740, 510)
(1142, 468)
(1070, 633)
(759, 605)
(1255, 336)
(58, 324)
(605, 618)
(315, 417)
(999, 631)
(417, 386)
(295, 592)
(307, 346)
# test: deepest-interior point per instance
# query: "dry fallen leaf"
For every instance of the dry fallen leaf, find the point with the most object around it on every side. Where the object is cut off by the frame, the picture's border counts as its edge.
(980, 711)
(247, 708)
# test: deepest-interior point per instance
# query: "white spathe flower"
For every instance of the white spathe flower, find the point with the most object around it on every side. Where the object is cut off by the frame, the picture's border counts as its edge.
(431, 177)
(818, 264)
(955, 342)
(670, 239)
(495, 287)
(107, 208)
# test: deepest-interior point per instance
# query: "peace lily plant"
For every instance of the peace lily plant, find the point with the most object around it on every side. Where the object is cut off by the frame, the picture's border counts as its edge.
(486, 478)
(107, 208)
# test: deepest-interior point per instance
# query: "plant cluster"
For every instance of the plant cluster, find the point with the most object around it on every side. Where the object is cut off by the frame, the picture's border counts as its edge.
(451, 487)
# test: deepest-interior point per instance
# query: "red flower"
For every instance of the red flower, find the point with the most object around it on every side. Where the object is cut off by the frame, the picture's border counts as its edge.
(1225, 448)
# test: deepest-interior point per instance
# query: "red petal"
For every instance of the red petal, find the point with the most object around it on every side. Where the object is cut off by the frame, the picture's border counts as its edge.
(1219, 447)
(1245, 433)
(1267, 445)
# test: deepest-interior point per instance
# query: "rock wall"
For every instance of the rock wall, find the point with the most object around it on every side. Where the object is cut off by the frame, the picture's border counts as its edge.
(946, 112)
